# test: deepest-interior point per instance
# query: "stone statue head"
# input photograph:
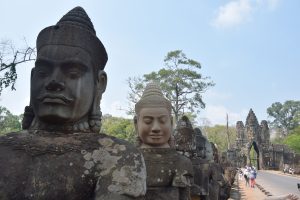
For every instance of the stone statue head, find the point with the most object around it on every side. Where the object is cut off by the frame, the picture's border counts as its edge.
(185, 136)
(153, 120)
(200, 143)
(68, 80)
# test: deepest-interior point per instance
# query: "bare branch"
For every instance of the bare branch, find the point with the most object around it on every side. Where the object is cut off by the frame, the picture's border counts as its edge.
(9, 59)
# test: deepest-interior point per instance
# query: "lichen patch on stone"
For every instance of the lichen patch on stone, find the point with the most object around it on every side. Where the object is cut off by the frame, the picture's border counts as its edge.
(129, 180)
(106, 142)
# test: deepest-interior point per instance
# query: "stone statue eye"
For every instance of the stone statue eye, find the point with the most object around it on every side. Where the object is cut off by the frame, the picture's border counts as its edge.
(163, 119)
(42, 72)
(147, 120)
(74, 72)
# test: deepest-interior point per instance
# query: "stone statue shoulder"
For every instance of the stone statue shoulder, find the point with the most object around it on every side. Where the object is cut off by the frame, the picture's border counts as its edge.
(184, 176)
(73, 166)
(124, 168)
(169, 161)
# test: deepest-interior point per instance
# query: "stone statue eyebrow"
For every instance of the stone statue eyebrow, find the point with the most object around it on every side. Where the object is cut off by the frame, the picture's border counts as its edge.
(43, 61)
(150, 116)
(80, 65)
(49, 62)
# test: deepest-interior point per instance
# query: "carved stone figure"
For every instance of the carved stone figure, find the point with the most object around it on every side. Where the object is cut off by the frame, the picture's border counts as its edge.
(60, 153)
(200, 144)
(218, 187)
(169, 174)
(191, 143)
(185, 137)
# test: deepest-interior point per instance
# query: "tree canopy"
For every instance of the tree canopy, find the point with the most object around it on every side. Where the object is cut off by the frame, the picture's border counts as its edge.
(286, 116)
(180, 80)
(218, 134)
(8, 121)
(293, 140)
(118, 127)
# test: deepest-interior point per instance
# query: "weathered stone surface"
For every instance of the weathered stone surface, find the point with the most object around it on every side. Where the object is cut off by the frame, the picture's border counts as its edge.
(169, 174)
(191, 143)
(43, 165)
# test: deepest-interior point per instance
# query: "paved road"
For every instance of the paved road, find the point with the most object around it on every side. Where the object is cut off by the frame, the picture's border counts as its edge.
(278, 184)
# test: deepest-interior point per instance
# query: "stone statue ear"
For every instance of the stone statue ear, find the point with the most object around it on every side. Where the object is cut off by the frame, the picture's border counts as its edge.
(135, 124)
(138, 141)
(28, 115)
(101, 81)
(96, 114)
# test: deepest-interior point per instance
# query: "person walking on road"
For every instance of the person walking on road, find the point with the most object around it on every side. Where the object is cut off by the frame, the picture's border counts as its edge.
(246, 176)
(252, 176)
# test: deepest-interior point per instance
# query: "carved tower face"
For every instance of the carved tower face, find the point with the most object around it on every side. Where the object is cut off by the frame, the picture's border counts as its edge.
(62, 85)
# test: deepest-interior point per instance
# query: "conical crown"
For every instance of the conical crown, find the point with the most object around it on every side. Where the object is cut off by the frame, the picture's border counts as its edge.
(152, 89)
(75, 29)
(152, 97)
(77, 16)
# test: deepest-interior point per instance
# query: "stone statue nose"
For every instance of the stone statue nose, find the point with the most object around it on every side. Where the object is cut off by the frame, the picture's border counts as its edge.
(156, 126)
(55, 86)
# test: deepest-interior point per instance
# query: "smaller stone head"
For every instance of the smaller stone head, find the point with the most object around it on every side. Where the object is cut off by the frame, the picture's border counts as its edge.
(153, 120)
(185, 136)
(200, 143)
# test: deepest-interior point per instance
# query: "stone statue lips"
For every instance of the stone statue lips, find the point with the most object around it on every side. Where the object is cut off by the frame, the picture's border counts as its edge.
(155, 136)
(55, 99)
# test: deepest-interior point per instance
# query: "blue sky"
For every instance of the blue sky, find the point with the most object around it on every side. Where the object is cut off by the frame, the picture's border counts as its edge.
(249, 48)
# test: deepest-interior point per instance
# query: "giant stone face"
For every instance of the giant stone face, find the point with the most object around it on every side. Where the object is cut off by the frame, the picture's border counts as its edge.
(62, 84)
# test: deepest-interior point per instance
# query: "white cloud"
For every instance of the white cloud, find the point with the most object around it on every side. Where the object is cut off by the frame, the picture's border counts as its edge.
(216, 114)
(237, 12)
(233, 13)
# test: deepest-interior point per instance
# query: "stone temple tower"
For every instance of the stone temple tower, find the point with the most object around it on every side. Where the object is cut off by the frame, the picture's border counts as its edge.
(241, 137)
(252, 127)
(256, 136)
(252, 135)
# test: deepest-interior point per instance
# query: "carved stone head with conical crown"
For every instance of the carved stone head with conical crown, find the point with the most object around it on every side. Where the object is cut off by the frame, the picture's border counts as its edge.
(68, 80)
(153, 121)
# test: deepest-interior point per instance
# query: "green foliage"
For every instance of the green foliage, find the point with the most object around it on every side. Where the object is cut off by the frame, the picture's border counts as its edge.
(286, 116)
(9, 122)
(293, 140)
(119, 127)
(218, 135)
(180, 81)
(253, 156)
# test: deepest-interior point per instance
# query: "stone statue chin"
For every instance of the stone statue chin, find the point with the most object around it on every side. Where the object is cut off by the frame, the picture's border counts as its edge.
(60, 154)
(169, 174)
